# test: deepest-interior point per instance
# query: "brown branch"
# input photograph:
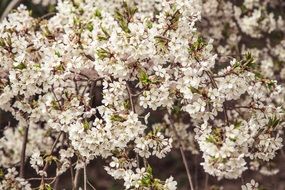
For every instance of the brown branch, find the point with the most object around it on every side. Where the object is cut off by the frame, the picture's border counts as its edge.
(47, 15)
(88, 182)
(57, 100)
(246, 107)
(216, 86)
(12, 5)
(71, 173)
(181, 148)
(23, 152)
(186, 167)
(76, 179)
(85, 177)
(131, 98)
(57, 177)
(39, 178)
(206, 181)
(55, 142)
(51, 151)
(56, 182)
(134, 110)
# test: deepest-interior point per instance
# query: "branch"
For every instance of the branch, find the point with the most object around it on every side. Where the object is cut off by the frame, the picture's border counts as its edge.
(247, 107)
(216, 86)
(134, 110)
(51, 151)
(181, 148)
(206, 182)
(38, 178)
(131, 98)
(11, 6)
(57, 177)
(71, 173)
(91, 185)
(23, 152)
(57, 100)
(85, 177)
(76, 179)
(186, 167)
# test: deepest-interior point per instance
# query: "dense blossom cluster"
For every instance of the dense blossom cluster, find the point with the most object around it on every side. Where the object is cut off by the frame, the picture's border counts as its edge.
(86, 83)
(251, 26)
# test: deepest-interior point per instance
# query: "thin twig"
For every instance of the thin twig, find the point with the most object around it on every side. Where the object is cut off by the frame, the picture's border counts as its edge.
(23, 152)
(206, 182)
(84, 90)
(47, 15)
(76, 86)
(91, 91)
(226, 114)
(187, 168)
(55, 142)
(56, 182)
(134, 110)
(11, 6)
(57, 177)
(242, 179)
(85, 177)
(216, 86)
(131, 98)
(181, 148)
(138, 160)
(71, 173)
(196, 172)
(76, 179)
(57, 100)
(51, 151)
(246, 107)
(145, 162)
(91, 185)
(39, 178)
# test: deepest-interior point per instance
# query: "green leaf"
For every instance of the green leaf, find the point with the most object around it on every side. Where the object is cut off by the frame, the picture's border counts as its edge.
(1, 173)
(55, 105)
(124, 16)
(57, 53)
(197, 45)
(248, 61)
(149, 169)
(60, 68)
(98, 14)
(103, 53)
(104, 36)
(237, 124)
(211, 139)
(86, 125)
(161, 41)
(21, 66)
(273, 122)
(175, 20)
(149, 24)
(117, 118)
(48, 187)
(89, 26)
(143, 78)
(193, 90)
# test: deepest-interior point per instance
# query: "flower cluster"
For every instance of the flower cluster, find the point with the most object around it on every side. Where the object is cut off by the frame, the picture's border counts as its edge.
(251, 26)
(84, 83)
(250, 186)
(11, 181)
